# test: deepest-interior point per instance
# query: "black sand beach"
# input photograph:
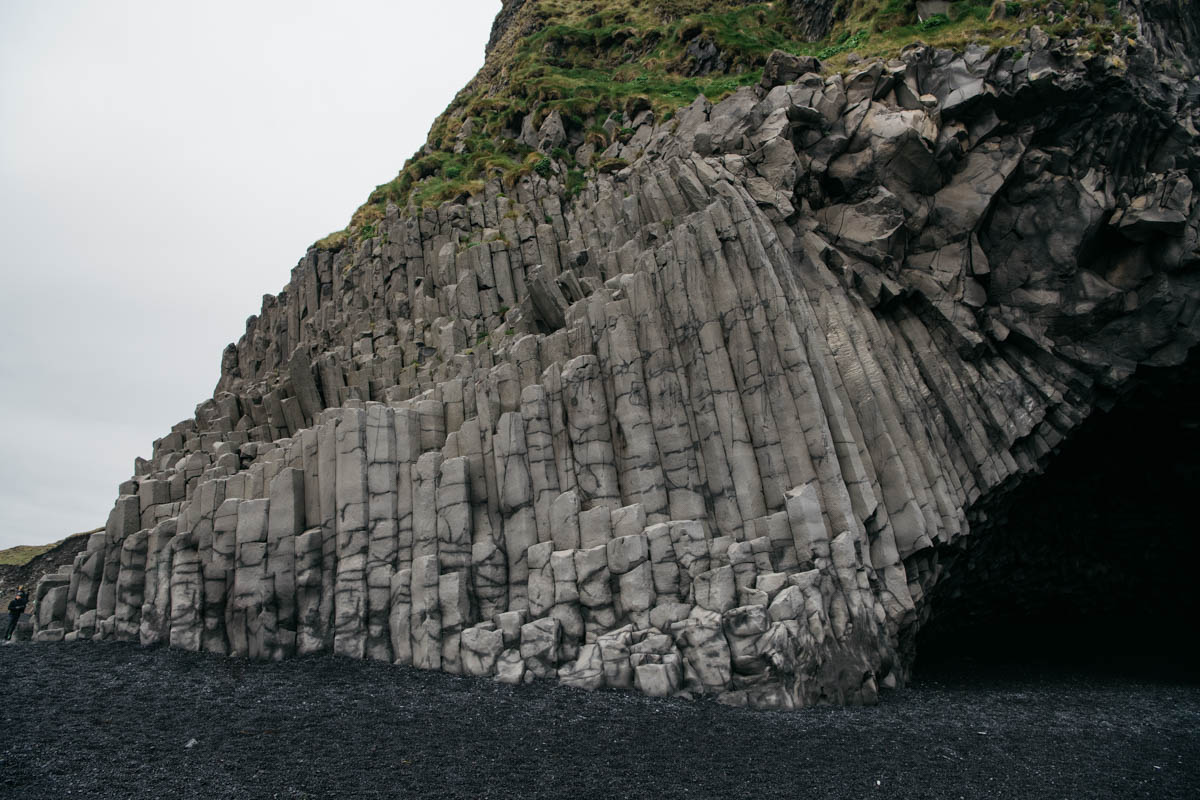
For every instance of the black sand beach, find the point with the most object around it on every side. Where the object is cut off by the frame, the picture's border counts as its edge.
(116, 721)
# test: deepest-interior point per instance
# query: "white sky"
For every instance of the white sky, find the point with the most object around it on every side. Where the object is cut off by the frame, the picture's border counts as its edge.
(162, 166)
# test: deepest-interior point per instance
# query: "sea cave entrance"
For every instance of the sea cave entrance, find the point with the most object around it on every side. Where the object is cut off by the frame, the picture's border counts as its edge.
(1093, 565)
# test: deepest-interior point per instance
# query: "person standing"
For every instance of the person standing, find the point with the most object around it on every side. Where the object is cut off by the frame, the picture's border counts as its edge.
(16, 608)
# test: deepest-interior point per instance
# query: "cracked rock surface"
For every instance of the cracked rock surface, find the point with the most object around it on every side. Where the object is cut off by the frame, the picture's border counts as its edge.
(705, 427)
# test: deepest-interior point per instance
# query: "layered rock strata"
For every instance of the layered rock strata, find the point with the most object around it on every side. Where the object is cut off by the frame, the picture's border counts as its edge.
(705, 427)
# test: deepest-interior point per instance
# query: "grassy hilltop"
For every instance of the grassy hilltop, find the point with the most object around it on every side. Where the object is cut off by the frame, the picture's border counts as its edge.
(589, 60)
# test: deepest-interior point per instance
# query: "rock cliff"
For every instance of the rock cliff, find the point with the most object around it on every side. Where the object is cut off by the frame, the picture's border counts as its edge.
(708, 420)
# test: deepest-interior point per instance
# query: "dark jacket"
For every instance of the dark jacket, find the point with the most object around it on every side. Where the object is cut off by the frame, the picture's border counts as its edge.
(17, 606)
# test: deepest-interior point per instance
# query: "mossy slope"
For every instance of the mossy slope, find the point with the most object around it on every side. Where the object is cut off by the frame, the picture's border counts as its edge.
(594, 60)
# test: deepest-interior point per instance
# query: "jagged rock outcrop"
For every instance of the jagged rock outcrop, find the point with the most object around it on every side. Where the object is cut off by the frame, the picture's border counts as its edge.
(704, 427)
(508, 12)
(1172, 28)
(814, 18)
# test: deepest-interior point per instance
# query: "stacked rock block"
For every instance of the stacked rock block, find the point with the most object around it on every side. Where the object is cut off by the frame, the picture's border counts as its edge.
(707, 427)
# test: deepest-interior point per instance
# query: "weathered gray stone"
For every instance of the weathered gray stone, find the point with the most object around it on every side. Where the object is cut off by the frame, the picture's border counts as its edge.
(400, 616)
(131, 582)
(709, 424)
(658, 680)
(350, 588)
(382, 533)
(123, 521)
(457, 612)
(510, 668)
(564, 521)
(454, 515)
(540, 646)
(541, 579)
(614, 651)
(424, 514)
(426, 614)
(516, 503)
(481, 648)
(308, 559)
(715, 590)
(587, 671)
(286, 519)
(591, 442)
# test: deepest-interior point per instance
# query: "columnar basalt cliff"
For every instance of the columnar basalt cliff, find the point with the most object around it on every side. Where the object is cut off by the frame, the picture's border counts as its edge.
(705, 422)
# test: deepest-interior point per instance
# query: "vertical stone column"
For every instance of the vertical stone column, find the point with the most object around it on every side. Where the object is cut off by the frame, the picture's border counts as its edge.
(667, 398)
(691, 552)
(663, 564)
(408, 450)
(286, 519)
(588, 428)
(489, 564)
(426, 621)
(516, 504)
(201, 516)
(91, 572)
(457, 612)
(487, 409)
(123, 520)
(539, 442)
(809, 536)
(699, 399)
(350, 588)
(245, 625)
(564, 457)
(311, 463)
(595, 590)
(400, 616)
(741, 366)
(156, 603)
(424, 480)
(629, 564)
(382, 527)
(72, 608)
(715, 376)
(433, 424)
(218, 577)
(327, 489)
(310, 634)
(639, 472)
(187, 592)
(566, 601)
(453, 501)
(131, 584)
(564, 521)
(541, 579)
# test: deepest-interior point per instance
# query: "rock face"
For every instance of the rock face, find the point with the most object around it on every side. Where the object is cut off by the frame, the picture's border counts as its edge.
(815, 17)
(508, 13)
(704, 427)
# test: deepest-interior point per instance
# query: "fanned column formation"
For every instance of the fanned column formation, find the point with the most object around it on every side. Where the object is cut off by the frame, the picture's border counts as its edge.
(707, 427)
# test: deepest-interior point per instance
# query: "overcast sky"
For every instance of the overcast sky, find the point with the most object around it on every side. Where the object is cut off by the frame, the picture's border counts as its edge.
(162, 166)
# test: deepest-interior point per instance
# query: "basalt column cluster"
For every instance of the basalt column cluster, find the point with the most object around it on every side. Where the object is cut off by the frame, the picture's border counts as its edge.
(703, 427)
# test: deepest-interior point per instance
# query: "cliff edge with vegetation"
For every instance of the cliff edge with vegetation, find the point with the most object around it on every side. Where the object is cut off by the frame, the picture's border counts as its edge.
(694, 352)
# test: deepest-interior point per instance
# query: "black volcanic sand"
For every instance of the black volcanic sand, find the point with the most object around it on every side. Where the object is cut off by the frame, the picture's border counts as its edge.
(112, 721)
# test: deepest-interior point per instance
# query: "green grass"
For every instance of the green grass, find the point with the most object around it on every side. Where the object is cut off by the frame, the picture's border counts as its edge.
(590, 60)
(22, 554)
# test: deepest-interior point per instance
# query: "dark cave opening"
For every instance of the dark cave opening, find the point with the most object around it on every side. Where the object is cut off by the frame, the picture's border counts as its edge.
(1091, 566)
